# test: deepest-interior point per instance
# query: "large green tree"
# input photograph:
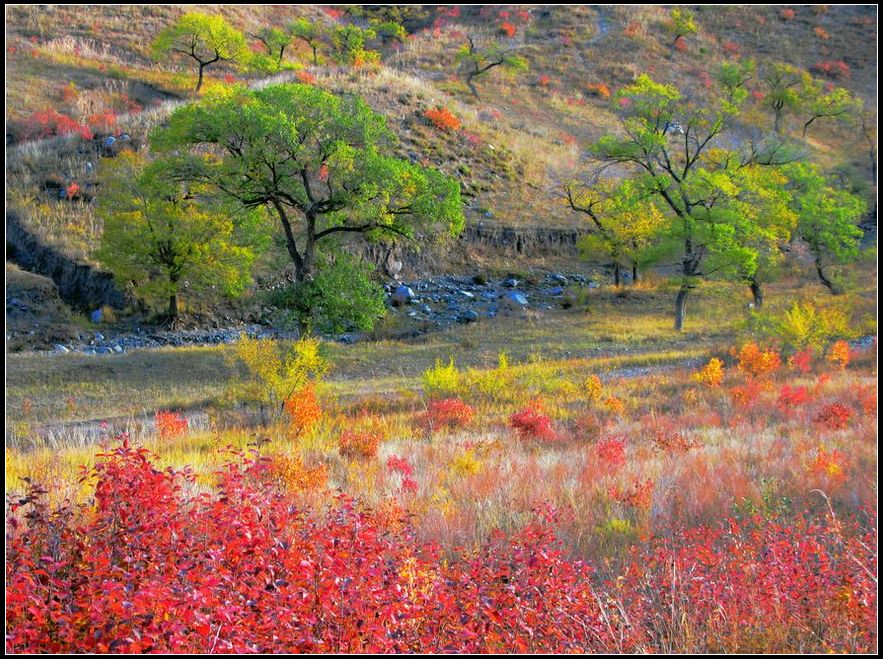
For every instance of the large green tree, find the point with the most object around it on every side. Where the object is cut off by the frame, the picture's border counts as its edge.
(827, 220)
(203, 38)
(316, 162)
(678, 148)
(160, 236)
(624, 222)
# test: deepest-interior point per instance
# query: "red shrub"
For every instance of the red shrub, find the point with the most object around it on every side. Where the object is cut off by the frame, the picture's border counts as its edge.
(787, 14)
(170, 424)
(611, 453)
(791, 399)
(801, 361)
(833, 69)
(533, 423)
(449, 413)
(834, 416)
(47, 123)
(507, 29)
(305, 77)
(156, 565)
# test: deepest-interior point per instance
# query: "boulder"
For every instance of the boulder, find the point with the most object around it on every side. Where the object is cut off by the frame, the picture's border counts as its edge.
(514, 301)
(402, 295)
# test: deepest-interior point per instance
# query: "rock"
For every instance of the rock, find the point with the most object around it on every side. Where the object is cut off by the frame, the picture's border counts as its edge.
(468, 316)
(561, 279)
(109, 141)
(60, 348)
(555, 292)
(96, 316)
(402, 296)
(511, 282)
(471, 296)
(99, 336)
(514, 301)
(118, 348)
(426, 309)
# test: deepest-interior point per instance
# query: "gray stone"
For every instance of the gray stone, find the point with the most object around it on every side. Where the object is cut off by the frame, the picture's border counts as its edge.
(511, 282)
(468, 316)
(514, 301)
(402, 296)
(471, 296)
(60, 348)
(96, 316)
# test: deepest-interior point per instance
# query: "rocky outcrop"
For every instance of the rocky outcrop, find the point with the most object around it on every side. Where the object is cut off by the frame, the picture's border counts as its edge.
(530, 242)
(79, 284)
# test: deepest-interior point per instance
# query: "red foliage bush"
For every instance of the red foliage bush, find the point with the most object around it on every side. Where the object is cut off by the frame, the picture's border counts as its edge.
(533, 423)
(791, 399)
(48, 123)
(449, 413)
(611, 453)
(156, 566)
(834, 416)
(170, 424)
(833, 69)
(507, 29)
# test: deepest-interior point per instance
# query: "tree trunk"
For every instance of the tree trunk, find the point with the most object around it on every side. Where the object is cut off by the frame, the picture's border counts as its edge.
(681, 307)
(315, 56)
(199, 81)
(827, 283)
(173, 307)
(756, 292)
(617, 274)
(471, 85)
(634, 273)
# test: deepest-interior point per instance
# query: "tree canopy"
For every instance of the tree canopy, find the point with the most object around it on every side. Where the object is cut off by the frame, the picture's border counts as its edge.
(203, 38)
(318, 164)
(160, 236)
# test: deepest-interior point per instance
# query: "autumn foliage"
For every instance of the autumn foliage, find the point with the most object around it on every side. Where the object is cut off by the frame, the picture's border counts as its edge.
(443, 119)
(153, 566)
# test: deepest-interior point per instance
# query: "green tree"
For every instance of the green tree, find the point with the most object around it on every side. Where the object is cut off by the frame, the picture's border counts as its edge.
(160, 237)
(477, 60)
(765, 199)
(827, 221)
(348, 45)
(821, 102)
(316, 162)
(782, 84)
(676, 146)
(275, 41)
(204, 39)
(341, 297)
(682, 23)
(625, 223)
(310, 33)
(388, 31)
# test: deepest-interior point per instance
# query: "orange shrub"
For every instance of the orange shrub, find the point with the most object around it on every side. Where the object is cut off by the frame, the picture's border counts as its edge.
(291, 472)
(443, 119)
(303, 410)
(598, 89)
(840, 354)
(757, 362)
